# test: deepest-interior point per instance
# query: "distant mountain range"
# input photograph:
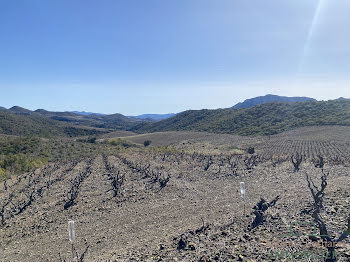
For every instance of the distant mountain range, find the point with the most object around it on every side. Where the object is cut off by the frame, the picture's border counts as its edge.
(245, 119)
(24, 111)
(152, 117)
(143, 117)
(83, 113)
(269, 99)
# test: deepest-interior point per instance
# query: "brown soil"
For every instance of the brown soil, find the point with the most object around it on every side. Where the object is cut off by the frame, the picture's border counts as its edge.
(197, 215)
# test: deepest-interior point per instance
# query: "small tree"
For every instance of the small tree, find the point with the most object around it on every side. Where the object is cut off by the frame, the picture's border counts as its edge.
(147, 143)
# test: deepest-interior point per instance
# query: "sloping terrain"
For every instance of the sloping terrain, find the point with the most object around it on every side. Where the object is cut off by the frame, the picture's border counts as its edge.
(153, 117)
(175, 137)
(21, 121)
(145, 221)
(149, 205)
(266, 119)
(26, 125)
(332, 142)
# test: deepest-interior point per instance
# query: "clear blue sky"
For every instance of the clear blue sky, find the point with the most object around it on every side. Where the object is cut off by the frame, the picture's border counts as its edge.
(160, 56)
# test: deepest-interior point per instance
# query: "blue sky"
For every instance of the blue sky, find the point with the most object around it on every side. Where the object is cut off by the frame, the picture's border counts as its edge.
(160, 56)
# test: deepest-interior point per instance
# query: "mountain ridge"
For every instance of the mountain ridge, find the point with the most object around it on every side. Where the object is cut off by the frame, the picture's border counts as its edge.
(265, 119)
(35, 124)
(84, 113)
(153, 117)
(269, 98)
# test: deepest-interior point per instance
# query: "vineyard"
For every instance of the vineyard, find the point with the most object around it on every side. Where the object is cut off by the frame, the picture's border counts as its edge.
(180, 202)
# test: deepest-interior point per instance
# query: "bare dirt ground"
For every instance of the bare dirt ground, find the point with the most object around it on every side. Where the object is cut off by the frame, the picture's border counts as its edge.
(175, 137)
(183, 204)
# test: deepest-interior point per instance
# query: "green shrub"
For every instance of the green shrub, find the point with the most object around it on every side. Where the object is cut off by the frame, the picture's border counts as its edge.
(20, 163)
(2, 173)
(251, 150)
(91, 139)
(165, 149)
(120, 142)
(147, 143)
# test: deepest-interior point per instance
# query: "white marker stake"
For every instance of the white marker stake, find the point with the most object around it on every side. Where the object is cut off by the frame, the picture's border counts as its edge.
(71, 234)
(71, 231)
(242, 185)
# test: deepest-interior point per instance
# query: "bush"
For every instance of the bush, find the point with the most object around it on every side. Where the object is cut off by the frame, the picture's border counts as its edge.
(251, 150)
(147, 143)
(120, 142)
(166, 150)
(91, 139)
(18, 163)
(2, 173)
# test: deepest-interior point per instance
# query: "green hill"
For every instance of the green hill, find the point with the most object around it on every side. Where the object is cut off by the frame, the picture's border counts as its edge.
(20, 110)
(266, 119)
(113, 121)
(32, 124)
(21, 121)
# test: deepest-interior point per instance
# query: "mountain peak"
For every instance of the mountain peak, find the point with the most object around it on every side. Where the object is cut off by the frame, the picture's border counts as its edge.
(20, 110)
(342, 99)
(269, 98)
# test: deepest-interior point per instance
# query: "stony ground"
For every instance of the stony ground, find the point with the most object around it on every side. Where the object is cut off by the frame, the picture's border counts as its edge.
(153, 205)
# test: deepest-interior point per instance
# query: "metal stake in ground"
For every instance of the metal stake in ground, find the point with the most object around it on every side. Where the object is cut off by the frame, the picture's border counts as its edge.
(242, 185)
(71, 234)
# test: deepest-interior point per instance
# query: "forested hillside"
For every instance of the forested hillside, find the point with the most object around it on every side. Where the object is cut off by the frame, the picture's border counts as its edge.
(24, 125)
(266, 119)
